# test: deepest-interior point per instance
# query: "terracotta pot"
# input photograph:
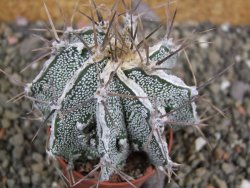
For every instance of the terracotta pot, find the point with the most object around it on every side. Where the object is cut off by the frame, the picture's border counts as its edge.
(138, 182)
(88, 183)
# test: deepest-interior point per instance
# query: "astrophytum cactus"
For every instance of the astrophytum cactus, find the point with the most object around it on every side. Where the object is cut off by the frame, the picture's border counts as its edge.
(107, 93)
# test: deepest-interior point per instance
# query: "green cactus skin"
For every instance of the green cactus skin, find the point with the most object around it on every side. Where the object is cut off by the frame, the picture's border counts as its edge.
(109, 97)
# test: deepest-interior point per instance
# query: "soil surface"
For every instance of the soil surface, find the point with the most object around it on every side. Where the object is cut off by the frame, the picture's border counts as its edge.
(135, 166)
(225, 164)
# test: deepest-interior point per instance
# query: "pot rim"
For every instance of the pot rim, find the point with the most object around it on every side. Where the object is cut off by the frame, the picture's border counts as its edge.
(147, 174)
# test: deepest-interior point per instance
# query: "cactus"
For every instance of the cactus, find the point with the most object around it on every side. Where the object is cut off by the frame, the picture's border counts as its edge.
(107, 93)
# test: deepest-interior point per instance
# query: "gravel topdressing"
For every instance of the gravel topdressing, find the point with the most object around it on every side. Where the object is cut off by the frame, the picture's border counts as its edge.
(224, 165)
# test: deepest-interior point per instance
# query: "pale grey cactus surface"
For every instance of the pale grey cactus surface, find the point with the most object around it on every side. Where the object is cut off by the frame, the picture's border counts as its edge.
(106, 94)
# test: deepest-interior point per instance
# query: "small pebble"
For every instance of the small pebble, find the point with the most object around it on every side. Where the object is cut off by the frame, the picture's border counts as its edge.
(203, 42)
(5, 123)
(37, 157)
(245, 184)
(225, 85)
(25, 179)
(200, 143)
(37, 167)
(18, 152)
(35, 178)
(238, 58)
(12, 40)
(225, 27)
(248, 63)
(239, 89)
(220, 183)
(17, 139)
(11, 182)
(11, 115)
(228, 168)
(242, 162)
(21, 21)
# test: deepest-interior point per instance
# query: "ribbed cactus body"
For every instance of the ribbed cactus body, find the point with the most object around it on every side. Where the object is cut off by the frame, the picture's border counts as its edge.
(109, 97)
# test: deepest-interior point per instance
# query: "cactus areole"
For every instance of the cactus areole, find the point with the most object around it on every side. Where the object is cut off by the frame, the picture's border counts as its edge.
(106, 93)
